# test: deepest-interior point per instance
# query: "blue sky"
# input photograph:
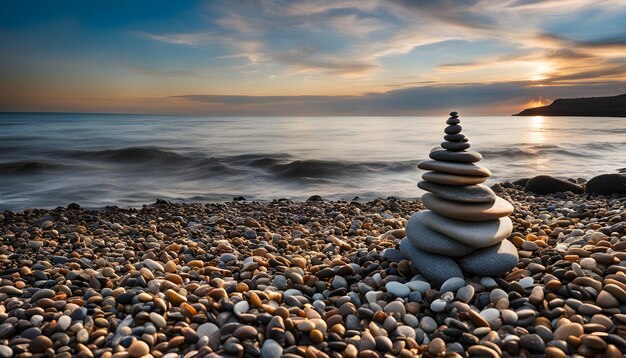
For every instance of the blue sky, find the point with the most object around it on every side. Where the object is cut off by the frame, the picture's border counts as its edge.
(307, 57)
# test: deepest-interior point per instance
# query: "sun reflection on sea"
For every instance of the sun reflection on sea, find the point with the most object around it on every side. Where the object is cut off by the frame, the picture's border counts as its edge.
(537, 132)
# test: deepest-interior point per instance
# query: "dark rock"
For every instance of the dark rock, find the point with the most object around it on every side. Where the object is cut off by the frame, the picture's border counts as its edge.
(521, 182)
(314, 198)
(545, 184)
(607, 184)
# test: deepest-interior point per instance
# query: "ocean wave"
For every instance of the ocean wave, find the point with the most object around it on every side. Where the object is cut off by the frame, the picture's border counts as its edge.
(29, 167)
(334, 169)
(130, 154)
(527, 151)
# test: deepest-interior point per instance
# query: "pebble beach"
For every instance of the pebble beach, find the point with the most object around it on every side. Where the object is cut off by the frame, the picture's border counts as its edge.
(305, 279)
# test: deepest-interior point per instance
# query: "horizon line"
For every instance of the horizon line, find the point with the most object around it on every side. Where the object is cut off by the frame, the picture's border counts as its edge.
(249, 115)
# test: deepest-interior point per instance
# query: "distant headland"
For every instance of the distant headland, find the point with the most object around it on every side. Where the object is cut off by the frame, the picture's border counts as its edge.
(614, 106)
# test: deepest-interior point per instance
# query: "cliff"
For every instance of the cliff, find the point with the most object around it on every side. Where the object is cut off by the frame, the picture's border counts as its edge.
(614, 106)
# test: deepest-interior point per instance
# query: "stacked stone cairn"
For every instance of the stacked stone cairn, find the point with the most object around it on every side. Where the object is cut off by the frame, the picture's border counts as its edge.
(466, 225)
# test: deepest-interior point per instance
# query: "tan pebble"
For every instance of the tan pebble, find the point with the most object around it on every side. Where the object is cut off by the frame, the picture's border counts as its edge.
(316, 336)
(517, 241)
(170, 266)
(255, 301)
(147, 274)
(531, 237)
(138, 349)
(612, 352)
(174, 297)
(339, 329)
(482, 351)
(437, 347)
(101, 322)
(553, 285)
(351, 351)
(158, 320)
(554, 352)
(594, 342)
(241, 287)
(176, 342)
(172, 277)
(218, 293)
(606, 300)
(261, 251)
(616, 291)
(298, 261)
(268, 308)
(567, 330)
(187, 309)
(144, 297)
(195, 263)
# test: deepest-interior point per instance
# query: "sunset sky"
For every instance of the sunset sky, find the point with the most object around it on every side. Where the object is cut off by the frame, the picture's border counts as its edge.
(307, 57)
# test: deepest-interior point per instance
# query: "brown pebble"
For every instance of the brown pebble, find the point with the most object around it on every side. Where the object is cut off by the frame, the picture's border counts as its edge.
(316, 336)
(594, 342)
(612, 352)
(482, 351)
(554, 352)
(568, 329)
(138, 349)
(606, 300)
(437, 347)
(40, 344)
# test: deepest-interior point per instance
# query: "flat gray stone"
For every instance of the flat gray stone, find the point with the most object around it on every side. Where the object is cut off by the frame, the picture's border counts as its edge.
(491, 261)
(475, 234)
(397, 289)
(467, 211)
(452, 284)
(451, 179)
(455, 156)
(455, 146)
(466, 193)
(453, 129)
(455, 168)
(436, 268)
(432, 241)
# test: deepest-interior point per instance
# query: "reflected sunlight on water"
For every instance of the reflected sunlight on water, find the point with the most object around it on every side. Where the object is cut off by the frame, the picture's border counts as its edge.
(537, 132)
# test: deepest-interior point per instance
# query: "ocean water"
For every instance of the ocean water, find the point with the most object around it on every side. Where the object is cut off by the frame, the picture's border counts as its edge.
(50, 160)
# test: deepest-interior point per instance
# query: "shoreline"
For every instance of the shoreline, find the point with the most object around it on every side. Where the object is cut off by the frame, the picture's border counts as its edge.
(304, 279)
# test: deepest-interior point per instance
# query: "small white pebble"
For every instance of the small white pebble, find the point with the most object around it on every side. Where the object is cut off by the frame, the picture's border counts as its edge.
(527, 282)
(588, 263)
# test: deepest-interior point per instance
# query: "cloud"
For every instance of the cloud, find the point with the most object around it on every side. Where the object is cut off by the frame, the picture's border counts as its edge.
(188, 39)
(476, 98)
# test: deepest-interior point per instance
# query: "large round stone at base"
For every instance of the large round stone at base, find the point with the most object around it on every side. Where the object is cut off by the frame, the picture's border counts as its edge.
(478, 193)
(436, 268)
(491, 261)
(468, 211)
(431, 241)
(476, 234)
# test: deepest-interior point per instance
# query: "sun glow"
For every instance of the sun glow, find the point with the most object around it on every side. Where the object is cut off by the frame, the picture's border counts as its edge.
(540, 71)
(540, 102)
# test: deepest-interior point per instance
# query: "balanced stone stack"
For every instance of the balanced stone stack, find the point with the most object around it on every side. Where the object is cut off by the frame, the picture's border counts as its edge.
(466, 224)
